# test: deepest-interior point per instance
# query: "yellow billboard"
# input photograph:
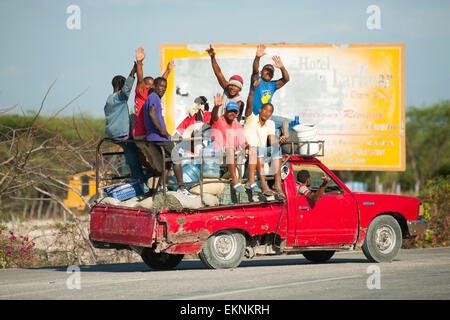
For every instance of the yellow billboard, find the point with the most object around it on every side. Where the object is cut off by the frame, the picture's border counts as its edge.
(353, 94)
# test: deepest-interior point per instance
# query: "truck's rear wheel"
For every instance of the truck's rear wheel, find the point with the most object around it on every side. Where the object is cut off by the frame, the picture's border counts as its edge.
(160, 261)
(318, 256)
(224, 249)
(383, 239)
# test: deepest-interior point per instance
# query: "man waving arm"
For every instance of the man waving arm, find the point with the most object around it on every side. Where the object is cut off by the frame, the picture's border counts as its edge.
(284, 74)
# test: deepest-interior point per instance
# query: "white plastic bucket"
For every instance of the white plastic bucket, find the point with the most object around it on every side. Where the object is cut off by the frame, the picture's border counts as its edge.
(307, 132)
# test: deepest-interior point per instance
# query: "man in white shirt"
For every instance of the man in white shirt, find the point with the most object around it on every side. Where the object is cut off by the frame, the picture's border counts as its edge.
(258, 129)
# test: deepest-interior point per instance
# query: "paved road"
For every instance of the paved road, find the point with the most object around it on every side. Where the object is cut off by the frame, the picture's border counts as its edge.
(414, 274)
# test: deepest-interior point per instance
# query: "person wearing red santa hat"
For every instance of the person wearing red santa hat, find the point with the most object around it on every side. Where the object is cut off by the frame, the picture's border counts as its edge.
(231, 88)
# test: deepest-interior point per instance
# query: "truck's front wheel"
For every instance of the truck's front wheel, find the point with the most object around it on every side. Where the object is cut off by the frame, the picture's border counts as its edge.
(224, 249)
(383, 239)
(160, 261)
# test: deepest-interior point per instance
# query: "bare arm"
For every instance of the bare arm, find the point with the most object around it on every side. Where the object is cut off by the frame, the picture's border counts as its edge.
(241, 107)
(140, 56)
(215, 112)
(169, 69)
(259, 53)
(154, 120)
(219, 75)
(316, 195)
(249, 109)
(284, 74)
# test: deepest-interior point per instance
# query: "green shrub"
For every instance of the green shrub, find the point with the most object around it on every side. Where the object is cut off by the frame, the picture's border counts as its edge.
(436, 206)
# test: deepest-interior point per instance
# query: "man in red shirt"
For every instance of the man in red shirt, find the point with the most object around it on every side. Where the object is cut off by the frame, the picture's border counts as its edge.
(143, 88)
(228, 135)
(199, 112)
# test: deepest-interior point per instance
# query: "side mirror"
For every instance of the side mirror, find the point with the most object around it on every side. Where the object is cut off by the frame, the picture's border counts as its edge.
(284, 172)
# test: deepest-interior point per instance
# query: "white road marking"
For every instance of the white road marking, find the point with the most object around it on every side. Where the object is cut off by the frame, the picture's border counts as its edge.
(266, 288)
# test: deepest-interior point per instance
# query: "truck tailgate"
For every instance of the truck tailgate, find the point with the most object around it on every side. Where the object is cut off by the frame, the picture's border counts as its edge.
(122, 225)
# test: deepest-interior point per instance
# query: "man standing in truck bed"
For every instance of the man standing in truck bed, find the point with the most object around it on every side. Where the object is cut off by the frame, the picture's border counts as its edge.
(118, 123)
(156, 129)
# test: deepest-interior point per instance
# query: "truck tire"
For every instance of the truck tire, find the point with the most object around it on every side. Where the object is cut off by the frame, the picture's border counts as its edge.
(383, 239)
(318, 256)
(224, 249)
(162, 260)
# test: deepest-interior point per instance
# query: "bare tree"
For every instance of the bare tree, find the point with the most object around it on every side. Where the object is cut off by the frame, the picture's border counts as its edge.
(38, 160)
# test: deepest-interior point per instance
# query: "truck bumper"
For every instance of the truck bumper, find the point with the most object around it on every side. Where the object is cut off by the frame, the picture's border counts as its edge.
(417, 227)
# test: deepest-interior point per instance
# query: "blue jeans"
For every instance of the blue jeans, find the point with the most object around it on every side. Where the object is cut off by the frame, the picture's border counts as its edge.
(268, 153)
(132, 159)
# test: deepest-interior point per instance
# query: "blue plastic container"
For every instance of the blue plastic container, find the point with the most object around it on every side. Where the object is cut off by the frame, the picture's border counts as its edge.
(211, 161)
(191, 174)
(124, 191)
(292, 124)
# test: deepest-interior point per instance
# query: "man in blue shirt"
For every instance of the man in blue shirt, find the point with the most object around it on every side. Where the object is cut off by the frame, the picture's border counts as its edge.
(267, 87)
(262, 96)
(118, 123)
(156, 129)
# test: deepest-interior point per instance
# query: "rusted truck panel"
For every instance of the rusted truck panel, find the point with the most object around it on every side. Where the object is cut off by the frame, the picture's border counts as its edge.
(185, 232)
(120, 225)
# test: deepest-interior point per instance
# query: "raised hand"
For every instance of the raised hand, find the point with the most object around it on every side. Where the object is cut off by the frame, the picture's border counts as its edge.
(211, 52)
(171, 65)
(134, 69)
(140, 54)
(325, 179)
(218, 100)
(277, 61)
(260, 50)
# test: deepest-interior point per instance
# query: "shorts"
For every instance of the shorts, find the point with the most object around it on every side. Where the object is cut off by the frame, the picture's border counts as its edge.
(152, 152)
(167, 145)
(269, 153)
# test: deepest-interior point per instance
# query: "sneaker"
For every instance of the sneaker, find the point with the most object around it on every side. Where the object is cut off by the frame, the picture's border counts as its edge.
(239, 188)
(185, 192)
(253, 187)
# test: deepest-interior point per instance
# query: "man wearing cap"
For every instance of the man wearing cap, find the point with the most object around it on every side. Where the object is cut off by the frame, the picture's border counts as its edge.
(195, 124)
(228, 135)
(198, 112)
(231, 88)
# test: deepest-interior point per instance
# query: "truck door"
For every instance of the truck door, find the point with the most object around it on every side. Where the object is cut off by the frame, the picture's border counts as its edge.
(333, 219)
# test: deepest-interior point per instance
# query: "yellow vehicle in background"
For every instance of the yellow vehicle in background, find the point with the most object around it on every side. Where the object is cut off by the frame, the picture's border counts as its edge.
(84, 182)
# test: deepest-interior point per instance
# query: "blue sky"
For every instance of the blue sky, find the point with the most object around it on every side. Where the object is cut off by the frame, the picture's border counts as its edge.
(38, 48)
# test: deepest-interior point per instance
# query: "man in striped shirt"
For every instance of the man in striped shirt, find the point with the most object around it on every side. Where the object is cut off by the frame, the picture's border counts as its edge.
(304, 179)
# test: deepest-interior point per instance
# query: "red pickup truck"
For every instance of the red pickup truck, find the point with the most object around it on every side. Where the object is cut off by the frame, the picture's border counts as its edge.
(223, 235)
